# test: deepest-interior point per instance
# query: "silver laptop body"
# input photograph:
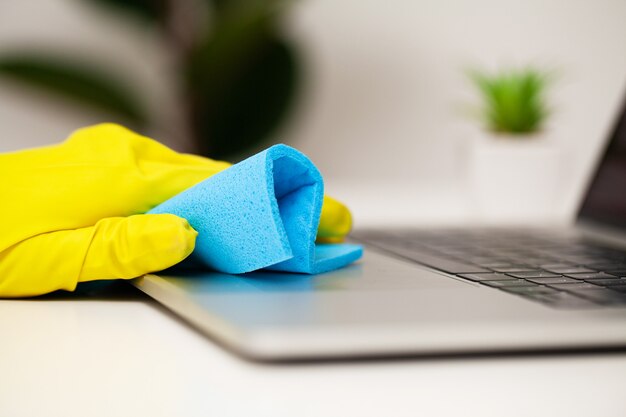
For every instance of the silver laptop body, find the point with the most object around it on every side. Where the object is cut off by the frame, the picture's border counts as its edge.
(388, 304)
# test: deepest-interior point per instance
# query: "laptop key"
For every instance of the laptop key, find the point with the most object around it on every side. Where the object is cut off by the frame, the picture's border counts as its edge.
(581, 260)
(509, 283)
(604, 266)
(590, 275)
(574, 286)
(492, 265)
(535, 261)
(484, 261)
(532, 274)
(486, 277)
(552, 280)
(620, 273)
(569, 270)
(618, 288)
(513, 268)
(607, 282)
(551, 266)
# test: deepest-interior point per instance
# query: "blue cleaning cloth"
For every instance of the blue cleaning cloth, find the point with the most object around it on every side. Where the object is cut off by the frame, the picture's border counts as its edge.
(261, 213)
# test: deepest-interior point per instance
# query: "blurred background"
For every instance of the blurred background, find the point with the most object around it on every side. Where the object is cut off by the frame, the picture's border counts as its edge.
(375, 92)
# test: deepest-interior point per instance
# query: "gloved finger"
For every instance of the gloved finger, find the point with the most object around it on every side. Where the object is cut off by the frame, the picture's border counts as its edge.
(128, 247)
(335, 222)
(120, 247)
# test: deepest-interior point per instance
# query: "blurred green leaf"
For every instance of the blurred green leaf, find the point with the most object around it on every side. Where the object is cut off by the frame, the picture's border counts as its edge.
(235, 38)
(75, 82)
(149, 10)
(220, 5)
(249, 107)
(241, 80)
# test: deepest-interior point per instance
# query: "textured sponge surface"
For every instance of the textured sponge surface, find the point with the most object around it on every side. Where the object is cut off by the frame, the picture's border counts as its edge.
(261, 213)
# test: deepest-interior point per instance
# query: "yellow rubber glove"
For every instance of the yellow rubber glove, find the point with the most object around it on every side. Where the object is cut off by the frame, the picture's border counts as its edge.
(73, 212)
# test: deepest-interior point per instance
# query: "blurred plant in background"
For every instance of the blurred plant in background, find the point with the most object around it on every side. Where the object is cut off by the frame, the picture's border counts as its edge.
(513, 101)
(237, 72)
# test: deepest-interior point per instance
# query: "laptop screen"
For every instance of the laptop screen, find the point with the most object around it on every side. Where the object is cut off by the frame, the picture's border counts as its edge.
(605, 201)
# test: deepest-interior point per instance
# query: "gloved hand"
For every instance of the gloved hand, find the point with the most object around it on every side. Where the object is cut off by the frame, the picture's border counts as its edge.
(72, 212)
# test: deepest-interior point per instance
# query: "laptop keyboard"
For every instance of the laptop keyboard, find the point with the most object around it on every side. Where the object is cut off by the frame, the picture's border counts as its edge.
(556, 270)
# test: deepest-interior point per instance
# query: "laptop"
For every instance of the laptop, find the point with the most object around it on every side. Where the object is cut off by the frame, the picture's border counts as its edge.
(432, 292)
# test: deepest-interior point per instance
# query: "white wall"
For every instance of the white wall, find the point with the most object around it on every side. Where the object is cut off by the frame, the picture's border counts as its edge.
(385, 78)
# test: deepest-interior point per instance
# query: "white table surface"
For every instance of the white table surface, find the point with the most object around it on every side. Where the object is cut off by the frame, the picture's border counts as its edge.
(128, 356)
(133, 358)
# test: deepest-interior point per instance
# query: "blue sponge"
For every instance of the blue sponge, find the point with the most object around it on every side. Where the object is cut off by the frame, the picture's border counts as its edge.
(261, 213)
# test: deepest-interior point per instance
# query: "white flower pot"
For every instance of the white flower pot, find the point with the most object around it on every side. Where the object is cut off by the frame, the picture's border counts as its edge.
(514, 179)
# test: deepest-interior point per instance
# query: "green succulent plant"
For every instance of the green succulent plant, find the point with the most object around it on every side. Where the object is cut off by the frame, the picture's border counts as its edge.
(238, 72)
(513, 101)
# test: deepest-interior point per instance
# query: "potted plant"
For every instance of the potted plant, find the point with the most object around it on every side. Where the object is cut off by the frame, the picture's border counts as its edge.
(514, 165)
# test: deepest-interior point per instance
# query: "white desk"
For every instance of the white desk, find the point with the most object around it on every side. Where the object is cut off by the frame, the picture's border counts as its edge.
(133, 358)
